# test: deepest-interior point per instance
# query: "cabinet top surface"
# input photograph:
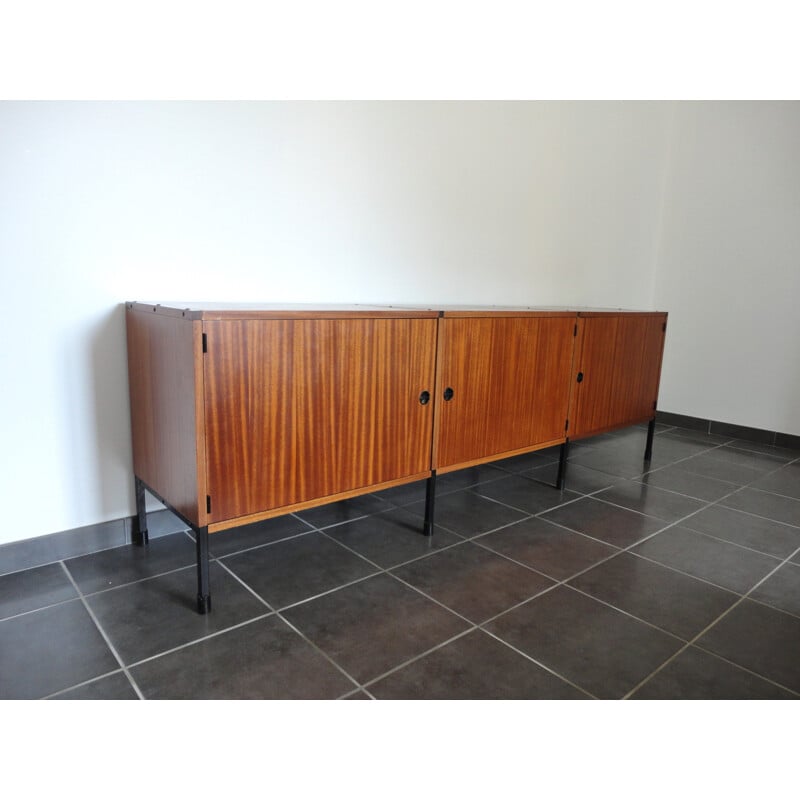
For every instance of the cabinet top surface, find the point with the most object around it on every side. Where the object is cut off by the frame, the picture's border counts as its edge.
(210, 310)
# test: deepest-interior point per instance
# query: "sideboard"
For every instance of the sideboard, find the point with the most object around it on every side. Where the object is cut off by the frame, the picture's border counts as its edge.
(241, 413)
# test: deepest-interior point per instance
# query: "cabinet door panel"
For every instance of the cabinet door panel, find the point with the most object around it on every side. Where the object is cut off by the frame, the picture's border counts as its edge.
(510, 378)
(359, 419)
(251, 416)
(302, 409)
(619, 357)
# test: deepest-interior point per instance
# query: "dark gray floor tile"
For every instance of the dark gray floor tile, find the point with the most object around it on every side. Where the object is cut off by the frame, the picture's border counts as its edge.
(620, 527)
(49, 650)
(720, 469)
(374, 625)
(224, 543)
(781, 453)
(265, 659)
(344, 510)
(761, 639)
(650, 500)
(760, 461)
(547, 548)
(111, 687)
(699, 437)
(721, 563)
(391, 538)
(675, 602)
(781, 590)
(34, 588)
(596, 647)
(296, 569)
(473, 581)
(468, 514)
(154, 615)
(667, 448)
(525, 494)
(159, 523)
(697, 675)
(108, 568)
(359, 695)
(527, 461)
(676, 479)
(474, 667)
(577, 478)
(757, 533)
(766, 504)
(471, 476)
(405, 494)
(785, 481)
(622, 465)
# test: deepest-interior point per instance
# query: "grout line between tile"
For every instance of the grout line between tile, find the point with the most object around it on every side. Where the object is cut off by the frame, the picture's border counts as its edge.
(319, 650)
(103, 633)
(56, 695)
(708, 627)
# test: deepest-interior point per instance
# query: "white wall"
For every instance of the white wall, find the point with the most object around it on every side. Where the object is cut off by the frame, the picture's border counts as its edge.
(729, 264)
(520, 203)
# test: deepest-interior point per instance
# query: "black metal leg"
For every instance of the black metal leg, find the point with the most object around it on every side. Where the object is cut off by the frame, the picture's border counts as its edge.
(648, 450)
(203, 593)
(562, 465)
(140, 536)
(430, 498)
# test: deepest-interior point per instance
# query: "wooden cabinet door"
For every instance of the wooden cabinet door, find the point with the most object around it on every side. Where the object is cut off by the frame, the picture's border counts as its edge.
(510, 379)
(360, 421)
(307, 408)
(251, 416)
(619, 365)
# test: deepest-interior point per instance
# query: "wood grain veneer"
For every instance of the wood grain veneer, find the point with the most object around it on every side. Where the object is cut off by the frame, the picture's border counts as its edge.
(303, 409)
(510, 377)
(619, 357)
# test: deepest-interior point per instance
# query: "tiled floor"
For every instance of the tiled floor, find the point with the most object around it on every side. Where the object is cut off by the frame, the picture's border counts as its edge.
(679, 582)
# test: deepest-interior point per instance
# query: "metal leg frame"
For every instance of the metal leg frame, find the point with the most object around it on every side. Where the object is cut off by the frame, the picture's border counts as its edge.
(203, 592)
(140, 536)
(430, 498)
(562, 465)
(648, 450)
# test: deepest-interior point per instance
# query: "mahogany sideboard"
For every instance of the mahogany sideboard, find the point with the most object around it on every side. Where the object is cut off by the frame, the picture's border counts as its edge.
(241, 413)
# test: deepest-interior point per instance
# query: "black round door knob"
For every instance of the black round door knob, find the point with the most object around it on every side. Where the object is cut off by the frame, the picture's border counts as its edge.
(424, 398)
(580, 377)
(448, 393)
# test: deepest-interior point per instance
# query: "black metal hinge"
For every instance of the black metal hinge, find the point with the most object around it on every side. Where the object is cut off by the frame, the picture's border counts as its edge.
(575, 330)
(205, 343)
(566, 425)
(208, 504)
(664, 327)
(654, 404)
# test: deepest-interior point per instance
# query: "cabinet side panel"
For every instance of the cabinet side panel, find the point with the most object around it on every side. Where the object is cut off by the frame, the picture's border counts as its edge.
(161, 373)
